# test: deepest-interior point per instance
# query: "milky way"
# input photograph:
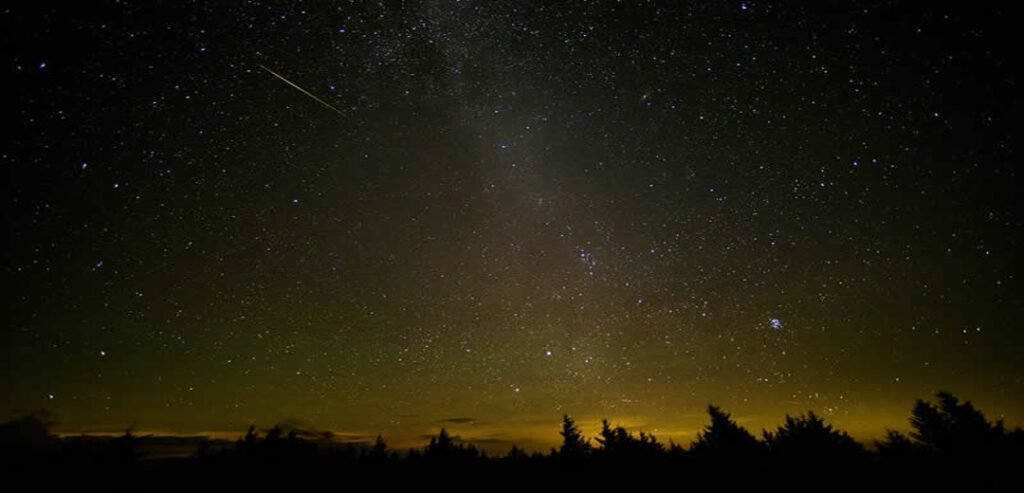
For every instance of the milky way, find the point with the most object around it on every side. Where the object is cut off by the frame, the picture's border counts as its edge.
(524, 210)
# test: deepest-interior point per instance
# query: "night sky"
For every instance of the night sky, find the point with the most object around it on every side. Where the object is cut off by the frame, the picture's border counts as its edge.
(372, 218)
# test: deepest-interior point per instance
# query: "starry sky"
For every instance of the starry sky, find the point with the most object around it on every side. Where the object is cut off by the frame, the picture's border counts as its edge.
(387, 218)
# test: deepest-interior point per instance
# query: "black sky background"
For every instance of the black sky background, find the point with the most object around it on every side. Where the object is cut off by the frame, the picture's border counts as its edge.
(611, 210)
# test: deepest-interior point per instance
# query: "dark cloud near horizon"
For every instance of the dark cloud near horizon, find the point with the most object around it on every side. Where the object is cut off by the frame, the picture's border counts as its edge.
(461, 421)
(492, 441)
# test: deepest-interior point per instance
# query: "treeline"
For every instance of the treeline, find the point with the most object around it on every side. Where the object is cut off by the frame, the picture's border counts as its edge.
(950, 442)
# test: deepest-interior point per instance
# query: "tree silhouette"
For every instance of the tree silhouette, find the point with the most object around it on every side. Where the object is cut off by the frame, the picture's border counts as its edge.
(378, 454)
(27, 431)
(574, 445)
(27, 439)
(274, 435)
(125, 450)
(724, 438)
(952, 428)
(808, 437)
(440, 444)
(516, 455)
(442, 448)
(250, 437)
(380, 447)
(610, 439)
(618, 442)
(951, 443)
(896, 445)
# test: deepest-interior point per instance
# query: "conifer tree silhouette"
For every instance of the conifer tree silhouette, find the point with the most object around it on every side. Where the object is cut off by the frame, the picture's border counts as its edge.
(516, 455)
(619, 442)
(895, 445)
(952, 428)
(808, 437)
(441, 444)
(574, 445)
(379, 452)
(723, 438)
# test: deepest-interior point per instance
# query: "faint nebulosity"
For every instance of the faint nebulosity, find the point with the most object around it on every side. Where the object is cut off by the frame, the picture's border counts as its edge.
(482, 215)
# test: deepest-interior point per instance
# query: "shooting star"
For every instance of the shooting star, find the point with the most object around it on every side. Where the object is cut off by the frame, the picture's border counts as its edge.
(290, 83)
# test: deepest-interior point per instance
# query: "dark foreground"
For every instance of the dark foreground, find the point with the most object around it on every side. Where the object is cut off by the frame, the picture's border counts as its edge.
(952, 447)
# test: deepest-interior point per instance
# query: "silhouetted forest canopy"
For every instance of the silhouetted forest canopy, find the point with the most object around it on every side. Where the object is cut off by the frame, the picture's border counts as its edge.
(949, 441)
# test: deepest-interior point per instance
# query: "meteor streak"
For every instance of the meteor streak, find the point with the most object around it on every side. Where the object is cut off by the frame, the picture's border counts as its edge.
(290, 83)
